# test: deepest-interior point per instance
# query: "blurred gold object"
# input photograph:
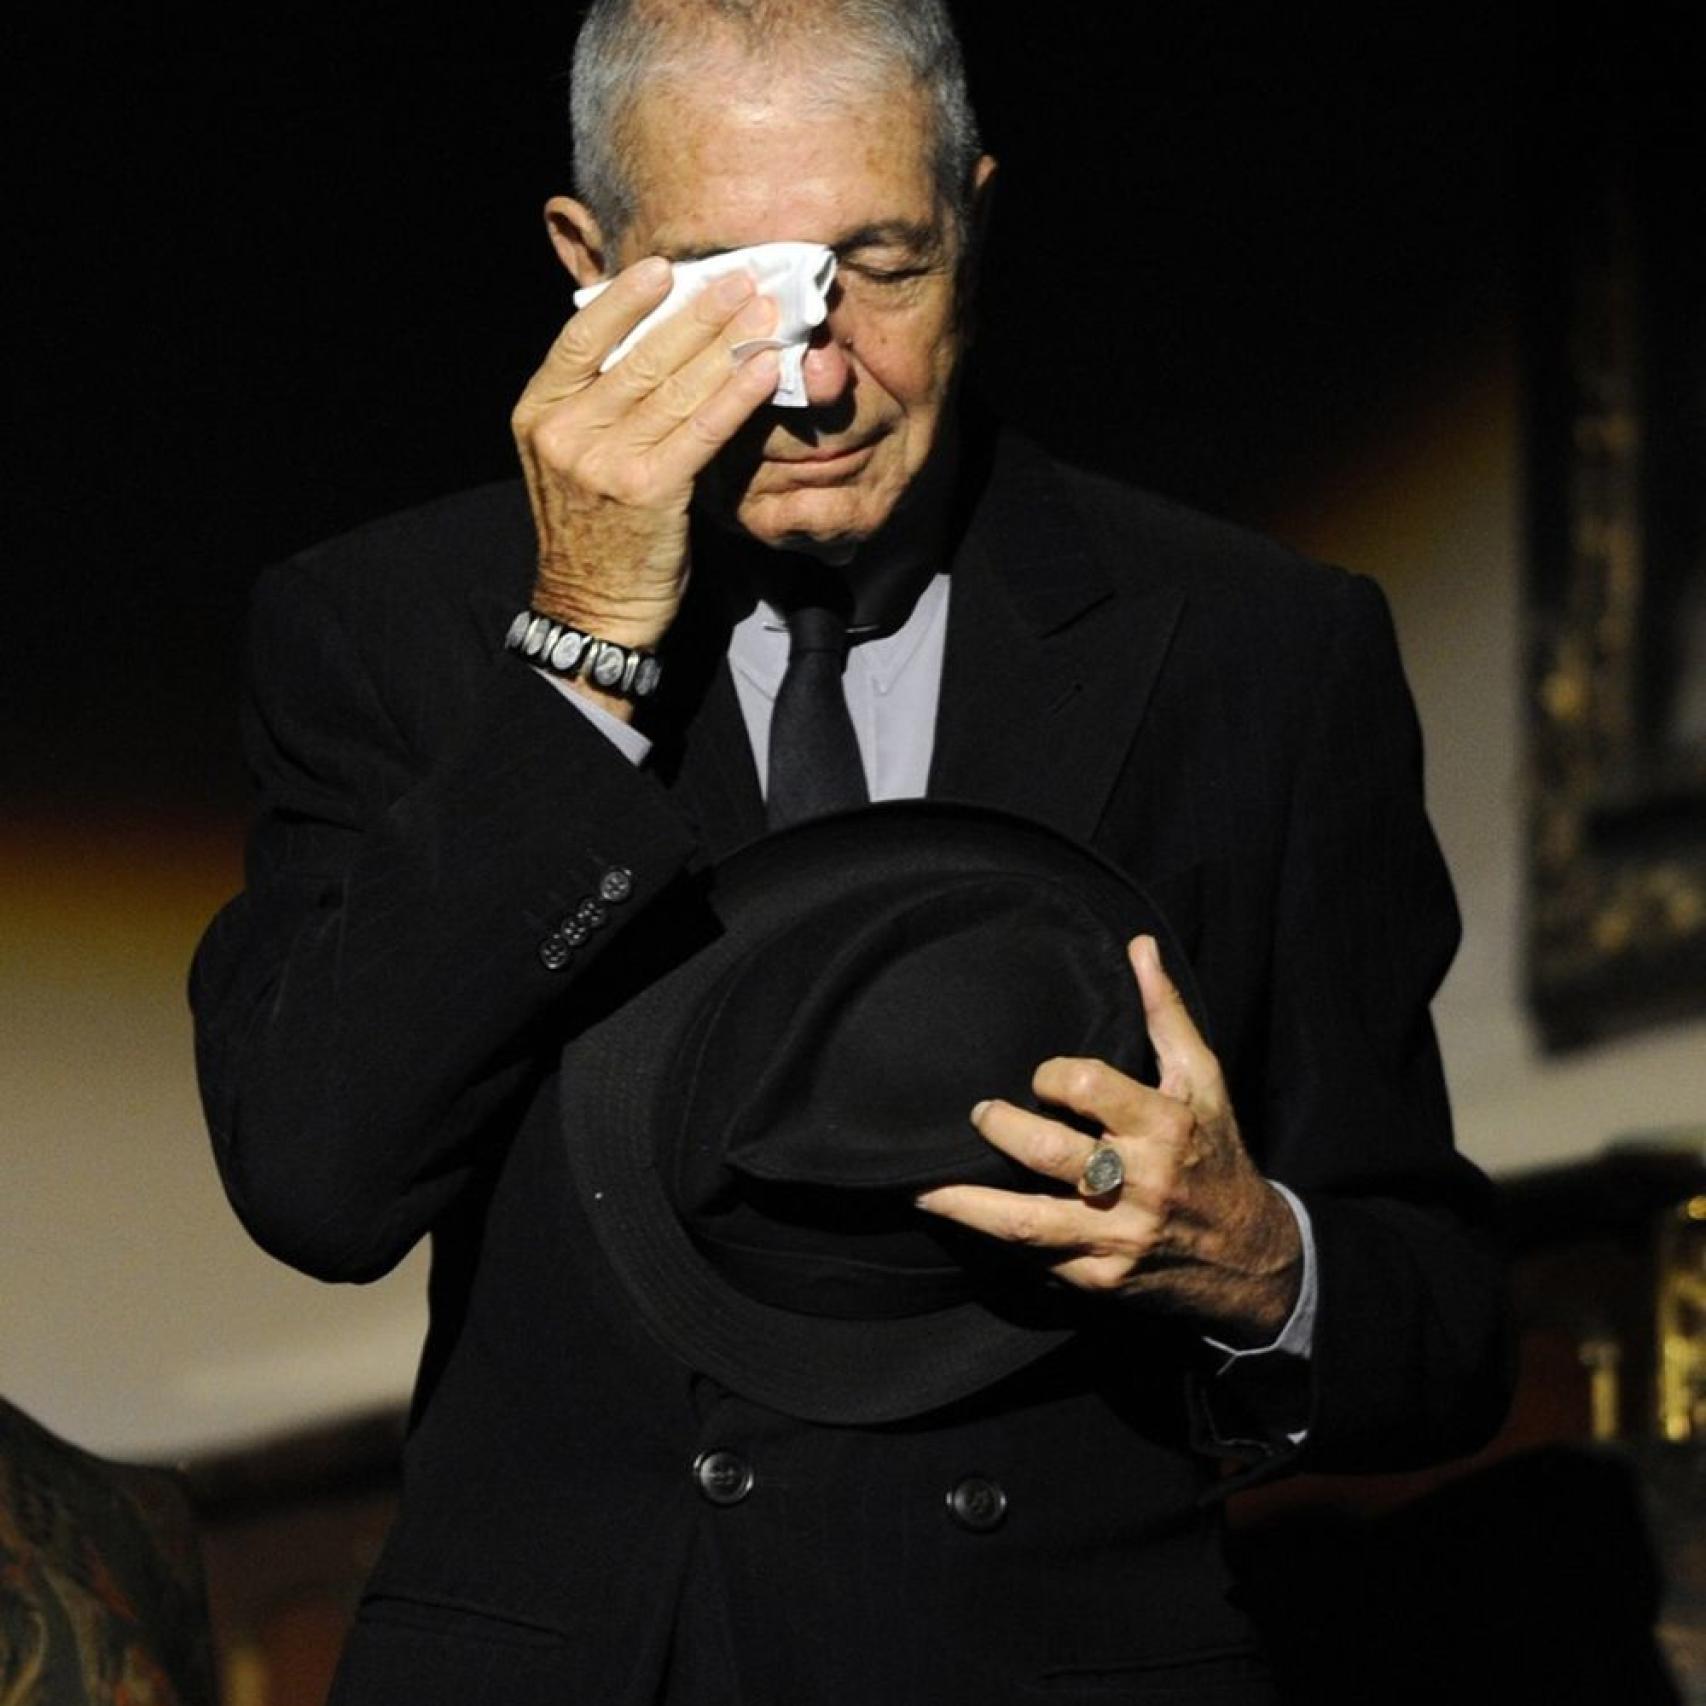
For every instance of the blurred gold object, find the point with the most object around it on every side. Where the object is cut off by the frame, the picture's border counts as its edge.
(1602, 1357)
(245, 1679)
(1680, 1325)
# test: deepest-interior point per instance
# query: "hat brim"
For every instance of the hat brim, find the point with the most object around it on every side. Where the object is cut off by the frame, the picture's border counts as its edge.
(817, 1368)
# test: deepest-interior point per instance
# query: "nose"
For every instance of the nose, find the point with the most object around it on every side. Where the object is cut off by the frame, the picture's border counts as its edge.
(827, 370)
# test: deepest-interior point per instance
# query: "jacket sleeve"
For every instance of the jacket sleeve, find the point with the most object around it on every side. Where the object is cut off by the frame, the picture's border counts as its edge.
(371, 1008)
(1410, 1357)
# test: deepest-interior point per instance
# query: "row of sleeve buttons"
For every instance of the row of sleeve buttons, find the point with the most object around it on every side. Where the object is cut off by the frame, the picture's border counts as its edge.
(591, 913)
(725, 1478)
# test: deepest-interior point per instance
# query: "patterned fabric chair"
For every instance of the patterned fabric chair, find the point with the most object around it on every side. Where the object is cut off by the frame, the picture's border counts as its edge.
(101, 1594)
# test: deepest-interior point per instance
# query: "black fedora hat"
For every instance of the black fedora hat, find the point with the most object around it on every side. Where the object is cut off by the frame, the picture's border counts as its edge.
(746, 1134)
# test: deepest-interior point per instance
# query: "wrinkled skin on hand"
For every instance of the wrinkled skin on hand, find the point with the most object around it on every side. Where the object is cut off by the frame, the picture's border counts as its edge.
(1194, 1229)
(610, 459)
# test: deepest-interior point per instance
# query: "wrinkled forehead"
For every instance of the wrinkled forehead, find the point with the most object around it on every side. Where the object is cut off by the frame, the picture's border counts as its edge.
(733, 156)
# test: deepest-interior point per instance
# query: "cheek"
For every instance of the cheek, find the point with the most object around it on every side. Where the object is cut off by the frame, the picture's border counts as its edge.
(912, 378)
(910, 359)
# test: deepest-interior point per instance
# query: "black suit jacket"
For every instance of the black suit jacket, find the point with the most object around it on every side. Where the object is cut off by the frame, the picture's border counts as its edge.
(378, 1043)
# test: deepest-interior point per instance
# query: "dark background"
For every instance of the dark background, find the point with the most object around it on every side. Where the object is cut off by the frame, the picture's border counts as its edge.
(278, 272)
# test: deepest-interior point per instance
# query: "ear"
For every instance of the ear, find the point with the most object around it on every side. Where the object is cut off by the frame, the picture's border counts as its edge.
(577, 238)
(982, 195)
(977, 229)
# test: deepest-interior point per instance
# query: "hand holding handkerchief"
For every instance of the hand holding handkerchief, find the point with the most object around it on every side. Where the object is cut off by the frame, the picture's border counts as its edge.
(795, 276)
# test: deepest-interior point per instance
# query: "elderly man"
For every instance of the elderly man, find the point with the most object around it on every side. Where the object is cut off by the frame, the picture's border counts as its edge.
(464, 849)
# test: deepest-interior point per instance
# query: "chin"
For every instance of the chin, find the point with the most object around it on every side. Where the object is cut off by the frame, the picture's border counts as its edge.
(816, 522)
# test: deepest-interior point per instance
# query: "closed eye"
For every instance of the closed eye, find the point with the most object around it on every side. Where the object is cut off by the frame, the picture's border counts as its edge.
(885, 275)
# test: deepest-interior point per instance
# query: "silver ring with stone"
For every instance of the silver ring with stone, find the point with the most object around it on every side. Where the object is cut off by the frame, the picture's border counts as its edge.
(1104, 1171)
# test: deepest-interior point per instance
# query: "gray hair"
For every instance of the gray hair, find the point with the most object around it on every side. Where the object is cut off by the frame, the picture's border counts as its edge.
(625, 45)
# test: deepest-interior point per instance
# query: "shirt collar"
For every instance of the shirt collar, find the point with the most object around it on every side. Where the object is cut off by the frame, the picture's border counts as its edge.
(758, 643)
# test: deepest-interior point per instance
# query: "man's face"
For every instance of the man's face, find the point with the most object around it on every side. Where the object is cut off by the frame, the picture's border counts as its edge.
(738, 156)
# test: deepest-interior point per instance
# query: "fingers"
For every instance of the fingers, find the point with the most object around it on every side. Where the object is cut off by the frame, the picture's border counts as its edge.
(1113, 1100)
(1057, 1151)
(1097, 1251)
(1188, 1066)
(701, 434)
(1048, 1223)
(643, 432)
(706, 374)
(579, 351)
(1099, 1271)
(575, 359)
(665, 378)
(1044, 1145)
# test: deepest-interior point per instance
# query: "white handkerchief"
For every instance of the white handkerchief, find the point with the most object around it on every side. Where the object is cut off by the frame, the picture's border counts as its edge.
(795, 276)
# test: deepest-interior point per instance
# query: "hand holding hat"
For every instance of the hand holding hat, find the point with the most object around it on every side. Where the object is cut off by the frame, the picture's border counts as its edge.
(1188, 1225)
(748, 1133)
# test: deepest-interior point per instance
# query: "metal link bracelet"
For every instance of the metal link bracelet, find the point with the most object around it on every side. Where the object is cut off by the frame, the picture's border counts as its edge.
(626, 671)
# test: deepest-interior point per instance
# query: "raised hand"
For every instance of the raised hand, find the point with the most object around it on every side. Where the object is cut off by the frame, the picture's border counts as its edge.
(610, 459)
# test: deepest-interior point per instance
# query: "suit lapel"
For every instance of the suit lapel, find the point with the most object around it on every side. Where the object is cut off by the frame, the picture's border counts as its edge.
(1050, 660)
(1049, 667)
(717, 782)
(702, 753)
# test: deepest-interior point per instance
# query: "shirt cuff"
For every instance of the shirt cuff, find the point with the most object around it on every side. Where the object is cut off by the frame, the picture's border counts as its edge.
(623, 736)
(1297, 1336)
(1263, 1390)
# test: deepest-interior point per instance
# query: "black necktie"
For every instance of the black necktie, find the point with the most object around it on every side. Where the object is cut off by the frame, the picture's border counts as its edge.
(814, 757)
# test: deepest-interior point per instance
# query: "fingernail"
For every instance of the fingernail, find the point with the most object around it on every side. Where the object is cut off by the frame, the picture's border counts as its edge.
(923, 1202)
(977, 1113)
(653, 270)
